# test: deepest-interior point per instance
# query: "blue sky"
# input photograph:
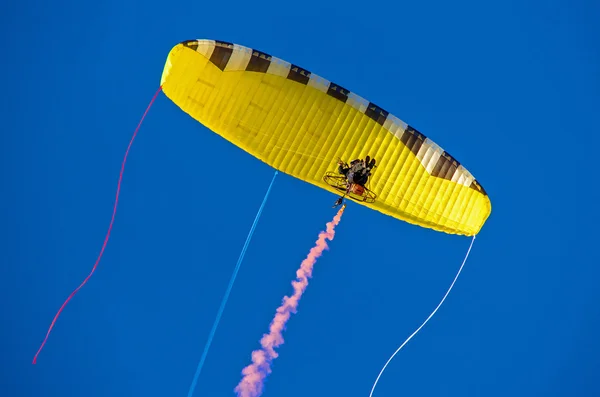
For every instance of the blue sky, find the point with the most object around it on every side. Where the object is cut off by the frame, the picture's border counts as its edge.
(510, 88)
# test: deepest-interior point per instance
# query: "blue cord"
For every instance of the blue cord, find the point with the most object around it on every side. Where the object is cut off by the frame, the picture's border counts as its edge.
(231, 281)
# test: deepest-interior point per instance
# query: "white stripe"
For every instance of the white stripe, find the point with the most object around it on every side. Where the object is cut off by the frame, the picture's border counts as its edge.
(279, 67)
(206, 47)
(399, 123)
(436, 152)
(462, 176)
(387, 124)
(457, 174)
(239, 58)
(425, 153)
(357, 102)
(318, 82)
(394, 128)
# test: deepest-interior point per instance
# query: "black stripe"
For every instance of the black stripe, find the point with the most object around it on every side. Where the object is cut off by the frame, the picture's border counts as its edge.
(221, 54)
(298, 74)
(476, 186)
(259, 62)
(413, 139)
(338, 92)
(376, 113)
(445, 166)
(193, 44)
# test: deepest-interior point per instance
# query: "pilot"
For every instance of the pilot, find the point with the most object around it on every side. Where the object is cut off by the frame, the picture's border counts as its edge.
(357, 173)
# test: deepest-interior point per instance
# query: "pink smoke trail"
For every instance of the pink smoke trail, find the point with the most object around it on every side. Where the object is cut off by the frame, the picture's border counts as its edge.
(252, 384)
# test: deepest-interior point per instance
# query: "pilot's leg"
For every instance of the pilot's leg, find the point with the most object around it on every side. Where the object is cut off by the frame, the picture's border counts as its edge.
(362, 181)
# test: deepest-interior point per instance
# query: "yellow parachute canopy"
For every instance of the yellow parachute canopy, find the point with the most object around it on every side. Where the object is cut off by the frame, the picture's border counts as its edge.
(300, 124)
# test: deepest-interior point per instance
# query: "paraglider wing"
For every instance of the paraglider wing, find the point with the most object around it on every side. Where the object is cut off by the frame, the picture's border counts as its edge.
(300, 124)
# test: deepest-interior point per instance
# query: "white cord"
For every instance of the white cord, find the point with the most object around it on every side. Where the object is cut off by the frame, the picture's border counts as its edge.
(425, 322)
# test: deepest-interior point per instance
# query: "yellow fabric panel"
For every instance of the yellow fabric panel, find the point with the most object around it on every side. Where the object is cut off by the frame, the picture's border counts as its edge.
(301, 130)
